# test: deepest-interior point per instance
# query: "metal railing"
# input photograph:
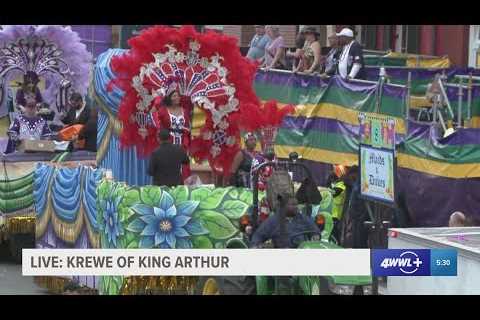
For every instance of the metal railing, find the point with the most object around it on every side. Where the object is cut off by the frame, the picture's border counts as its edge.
(382, 80)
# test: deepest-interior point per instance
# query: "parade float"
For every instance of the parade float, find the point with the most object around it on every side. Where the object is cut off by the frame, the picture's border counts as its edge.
(218, 82)
(60, 64)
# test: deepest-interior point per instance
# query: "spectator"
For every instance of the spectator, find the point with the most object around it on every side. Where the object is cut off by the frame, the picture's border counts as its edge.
(457, 219)
(350, 63)
(295, 56)
(275, 50)
(311, 59)
(331, 62)
(257, 45)
(166, 161)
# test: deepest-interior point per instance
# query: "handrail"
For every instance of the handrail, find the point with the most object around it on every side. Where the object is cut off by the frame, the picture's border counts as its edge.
(463, 76)
(405, 67)
(327, 77)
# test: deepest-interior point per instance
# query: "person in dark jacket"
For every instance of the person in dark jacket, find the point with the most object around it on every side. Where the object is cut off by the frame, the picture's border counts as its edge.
(285, 227)
(350, 60)
(166, 161)
(89, 132)
(242, 163)
(78, 113)
(353, 232)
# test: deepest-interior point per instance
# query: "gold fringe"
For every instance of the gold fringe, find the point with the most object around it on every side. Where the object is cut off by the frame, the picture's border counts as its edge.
(20, 224)
(158, 285)
(68, 232)
(52, 284)
(56, 285)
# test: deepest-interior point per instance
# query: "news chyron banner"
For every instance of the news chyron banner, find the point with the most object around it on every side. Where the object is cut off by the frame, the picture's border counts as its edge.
(195, 262)
(234, 262)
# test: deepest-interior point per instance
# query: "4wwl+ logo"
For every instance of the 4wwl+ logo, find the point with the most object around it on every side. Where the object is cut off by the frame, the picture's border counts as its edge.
(398, 262)
(408, 263)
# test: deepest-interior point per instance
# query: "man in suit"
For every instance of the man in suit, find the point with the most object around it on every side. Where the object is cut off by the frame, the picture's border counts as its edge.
(166, 162)
(78, 113)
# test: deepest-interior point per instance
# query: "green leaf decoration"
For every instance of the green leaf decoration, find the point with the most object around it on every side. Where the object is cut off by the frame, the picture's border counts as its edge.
(220, 245)
(130, 236)
(234, 193)
(217, 224)
(120, 191)
(151, 195)
(118, 280)
(131, 198)
(180, 194)
(106, 283)
(214, 199)
(113, 288)
(234, 209)
(200, 194)
(121, 243)
(125, 213)
(132, 245)
(202, 242)
(247, 196)
(102, 189)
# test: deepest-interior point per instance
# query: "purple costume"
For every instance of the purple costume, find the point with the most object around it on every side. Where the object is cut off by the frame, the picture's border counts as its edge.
(25, 128)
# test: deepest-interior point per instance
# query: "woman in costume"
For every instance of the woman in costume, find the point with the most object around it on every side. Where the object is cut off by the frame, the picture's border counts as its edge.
(27, 126)
(30, 84)
(174, 113)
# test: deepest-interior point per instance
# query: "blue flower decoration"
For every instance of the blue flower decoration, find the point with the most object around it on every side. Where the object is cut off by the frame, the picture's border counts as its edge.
(111, 222)
(166, 225)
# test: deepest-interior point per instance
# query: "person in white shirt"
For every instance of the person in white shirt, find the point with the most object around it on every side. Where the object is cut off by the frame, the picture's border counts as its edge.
(260, 40)
(350, 63)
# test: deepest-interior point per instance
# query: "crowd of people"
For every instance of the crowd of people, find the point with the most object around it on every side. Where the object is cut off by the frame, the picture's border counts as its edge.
(344, 58)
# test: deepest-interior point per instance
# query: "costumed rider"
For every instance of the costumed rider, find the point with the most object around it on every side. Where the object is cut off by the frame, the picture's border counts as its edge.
(29, 85)
(267, 156)
(27, 126)
(242, 163)
(174, 113)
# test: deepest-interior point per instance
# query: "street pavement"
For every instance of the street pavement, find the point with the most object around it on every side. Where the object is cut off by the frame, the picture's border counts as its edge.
(11, 280)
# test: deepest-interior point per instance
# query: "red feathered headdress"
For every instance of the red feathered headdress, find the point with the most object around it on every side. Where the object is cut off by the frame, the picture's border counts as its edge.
(208, 68)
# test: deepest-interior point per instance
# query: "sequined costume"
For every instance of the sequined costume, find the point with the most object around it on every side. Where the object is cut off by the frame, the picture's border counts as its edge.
(26, 128)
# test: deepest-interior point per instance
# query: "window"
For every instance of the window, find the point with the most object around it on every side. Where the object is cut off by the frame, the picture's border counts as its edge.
(98, 38)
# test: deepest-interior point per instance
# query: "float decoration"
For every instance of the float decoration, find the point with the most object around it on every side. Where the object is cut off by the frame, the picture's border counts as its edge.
(207, 69)
(54, 53)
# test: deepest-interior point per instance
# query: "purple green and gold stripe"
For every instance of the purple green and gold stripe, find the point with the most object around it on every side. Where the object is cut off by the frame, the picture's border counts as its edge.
(325, 125)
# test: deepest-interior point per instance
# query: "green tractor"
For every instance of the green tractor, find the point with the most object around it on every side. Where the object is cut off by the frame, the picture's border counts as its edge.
(281, 182)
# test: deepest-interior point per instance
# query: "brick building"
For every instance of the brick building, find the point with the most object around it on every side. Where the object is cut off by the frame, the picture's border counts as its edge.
(460, 42)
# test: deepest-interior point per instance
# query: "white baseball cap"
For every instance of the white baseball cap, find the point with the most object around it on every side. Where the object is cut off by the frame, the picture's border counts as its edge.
(346, 32)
